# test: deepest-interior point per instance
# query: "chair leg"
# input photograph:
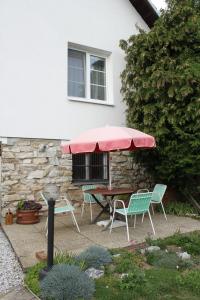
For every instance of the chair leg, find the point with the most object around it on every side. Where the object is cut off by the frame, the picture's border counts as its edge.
(75, 222)
(134, 221)
(113, 217)
(82, 209)
(152, 208)
(91, 211)
(151, 222)
(142, 217)
(163, 210)
(127, 229)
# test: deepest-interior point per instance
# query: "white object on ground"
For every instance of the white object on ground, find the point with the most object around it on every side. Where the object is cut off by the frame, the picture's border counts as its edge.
(152, 248)
(94, 273)
(184, 255)
(116, 223)
(11, 275)
(116, 255)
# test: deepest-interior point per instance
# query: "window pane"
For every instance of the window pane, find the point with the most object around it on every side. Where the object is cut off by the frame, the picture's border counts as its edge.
(97, 78)
(96, 166)
(76, 89)
(97, 63)
(76, 59)
(78, 167)
(97, 92)
(76, 73)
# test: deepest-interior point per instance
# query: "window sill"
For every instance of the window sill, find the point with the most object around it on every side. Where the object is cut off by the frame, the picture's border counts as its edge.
(101, 102)
(80, 183)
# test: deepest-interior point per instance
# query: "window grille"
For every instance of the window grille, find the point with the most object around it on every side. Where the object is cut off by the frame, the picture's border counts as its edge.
(90, 167)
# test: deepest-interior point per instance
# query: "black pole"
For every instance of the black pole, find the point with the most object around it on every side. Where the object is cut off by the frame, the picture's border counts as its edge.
(50, 239)
(51, 204)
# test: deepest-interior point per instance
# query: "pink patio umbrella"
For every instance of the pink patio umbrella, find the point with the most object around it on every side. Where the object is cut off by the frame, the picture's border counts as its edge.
(109, 138)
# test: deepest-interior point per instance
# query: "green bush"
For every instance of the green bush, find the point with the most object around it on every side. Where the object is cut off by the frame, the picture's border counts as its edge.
(95, 257)
(160, 85)
(66, 282)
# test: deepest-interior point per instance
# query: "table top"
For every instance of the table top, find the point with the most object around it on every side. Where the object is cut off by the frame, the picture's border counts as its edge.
(112, 192)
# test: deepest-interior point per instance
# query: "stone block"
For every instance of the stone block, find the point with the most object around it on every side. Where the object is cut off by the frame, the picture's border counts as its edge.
(36, 187)
(38, 174)
(27, 161)
(66, 162)
(10, 182)
(23, 155)
(15, 149)
(119, 159)
(26, 149)
(40, 161)
(53, 173)
(8, 155)
(7, 166)
(22, 142)
(54, 161)
(51, 152)
(10, 198)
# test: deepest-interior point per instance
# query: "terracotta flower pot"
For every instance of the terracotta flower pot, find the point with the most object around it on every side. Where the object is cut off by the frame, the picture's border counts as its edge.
(27, 216)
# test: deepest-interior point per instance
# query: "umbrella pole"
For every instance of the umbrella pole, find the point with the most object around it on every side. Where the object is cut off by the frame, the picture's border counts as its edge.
(110, 173)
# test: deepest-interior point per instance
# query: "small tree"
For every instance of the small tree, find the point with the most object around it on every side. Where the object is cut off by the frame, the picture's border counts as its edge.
(161, 87)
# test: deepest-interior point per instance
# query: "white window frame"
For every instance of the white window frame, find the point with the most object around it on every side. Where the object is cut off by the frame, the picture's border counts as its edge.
(108, 88)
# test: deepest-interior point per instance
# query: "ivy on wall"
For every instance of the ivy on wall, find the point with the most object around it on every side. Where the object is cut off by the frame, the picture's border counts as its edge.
(161, 87)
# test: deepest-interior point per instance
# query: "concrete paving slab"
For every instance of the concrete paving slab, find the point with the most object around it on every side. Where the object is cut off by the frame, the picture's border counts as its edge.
(28, 239)
(21, 294)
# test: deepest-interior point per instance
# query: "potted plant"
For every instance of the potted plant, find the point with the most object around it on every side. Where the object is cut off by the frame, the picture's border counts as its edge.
(28, 212)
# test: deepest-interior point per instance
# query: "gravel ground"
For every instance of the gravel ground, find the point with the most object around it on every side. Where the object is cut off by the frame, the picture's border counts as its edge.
(11, 275)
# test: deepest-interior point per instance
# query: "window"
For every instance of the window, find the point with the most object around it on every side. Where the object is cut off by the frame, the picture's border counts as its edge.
(92, 167)
(86, 75)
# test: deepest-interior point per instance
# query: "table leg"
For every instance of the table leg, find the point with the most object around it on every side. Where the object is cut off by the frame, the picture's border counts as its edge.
(105, 208)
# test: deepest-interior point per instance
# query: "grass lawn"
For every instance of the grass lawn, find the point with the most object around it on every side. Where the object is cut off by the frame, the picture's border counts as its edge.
(157, 275)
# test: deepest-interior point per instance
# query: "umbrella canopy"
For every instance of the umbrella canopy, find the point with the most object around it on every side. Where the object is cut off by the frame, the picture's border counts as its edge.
(109, 138)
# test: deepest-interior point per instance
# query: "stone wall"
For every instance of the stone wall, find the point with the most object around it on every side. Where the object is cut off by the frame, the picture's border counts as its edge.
(126, 173)
(33, 165)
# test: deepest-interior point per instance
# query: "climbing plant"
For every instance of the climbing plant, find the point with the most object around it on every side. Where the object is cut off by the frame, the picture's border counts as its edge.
(161, 87)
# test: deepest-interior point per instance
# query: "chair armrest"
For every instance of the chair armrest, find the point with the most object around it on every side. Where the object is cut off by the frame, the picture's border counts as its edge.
(142, 191)
(120, 201)
(68, 202)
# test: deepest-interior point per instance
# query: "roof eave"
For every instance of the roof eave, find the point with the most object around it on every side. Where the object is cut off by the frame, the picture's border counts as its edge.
(146, 10)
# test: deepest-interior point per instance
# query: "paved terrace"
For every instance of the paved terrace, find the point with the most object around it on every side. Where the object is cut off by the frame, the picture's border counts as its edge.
(28, 239)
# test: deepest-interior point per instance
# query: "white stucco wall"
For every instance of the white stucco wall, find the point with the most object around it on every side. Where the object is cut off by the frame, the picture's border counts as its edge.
(34, 36)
